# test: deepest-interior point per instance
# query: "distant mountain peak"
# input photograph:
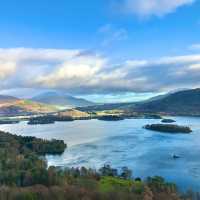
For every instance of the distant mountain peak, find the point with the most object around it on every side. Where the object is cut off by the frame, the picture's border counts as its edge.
(61, 99)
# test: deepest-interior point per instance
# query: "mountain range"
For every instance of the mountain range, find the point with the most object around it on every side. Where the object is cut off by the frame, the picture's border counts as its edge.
(186, 102)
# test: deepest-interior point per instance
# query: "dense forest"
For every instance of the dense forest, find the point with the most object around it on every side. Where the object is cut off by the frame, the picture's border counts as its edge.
(24, 175)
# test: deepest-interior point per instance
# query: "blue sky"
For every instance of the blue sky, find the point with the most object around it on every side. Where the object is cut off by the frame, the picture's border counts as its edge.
(106, 39)
(76, 24)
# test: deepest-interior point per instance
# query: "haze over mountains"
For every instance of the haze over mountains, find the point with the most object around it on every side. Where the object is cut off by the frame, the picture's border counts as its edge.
(62, 100)
(6, 99)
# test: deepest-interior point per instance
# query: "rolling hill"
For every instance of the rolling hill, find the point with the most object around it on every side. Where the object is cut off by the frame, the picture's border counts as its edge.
(13, 107)
(6, 99)
(62, 100)
(179, 103)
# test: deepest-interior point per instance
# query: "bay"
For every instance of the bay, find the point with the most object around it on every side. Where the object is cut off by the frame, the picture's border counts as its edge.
(93, 143)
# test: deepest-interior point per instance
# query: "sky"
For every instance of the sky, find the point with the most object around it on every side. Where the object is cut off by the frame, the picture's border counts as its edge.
(102, 50)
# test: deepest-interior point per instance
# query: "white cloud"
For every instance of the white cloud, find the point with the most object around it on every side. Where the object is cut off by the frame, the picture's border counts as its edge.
(79, 72)
(6, 68)
(18, 60)
(73, 73)
(146, 8)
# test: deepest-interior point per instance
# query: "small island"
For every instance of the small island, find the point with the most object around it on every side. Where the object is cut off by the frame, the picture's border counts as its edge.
(168, 121)
(8, 121)
(168, 128)
(110, 118)
(48, 119)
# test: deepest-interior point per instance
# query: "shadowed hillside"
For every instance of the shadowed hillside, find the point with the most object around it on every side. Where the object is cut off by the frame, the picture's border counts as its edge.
(179, 103)
(6, 99)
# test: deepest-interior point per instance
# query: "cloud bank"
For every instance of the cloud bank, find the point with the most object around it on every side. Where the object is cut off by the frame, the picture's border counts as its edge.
(146, 8)
(82, 72)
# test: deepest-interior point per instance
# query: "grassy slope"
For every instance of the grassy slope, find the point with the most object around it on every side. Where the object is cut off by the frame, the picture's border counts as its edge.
(35, 107)
(22, 107)
(74, 113)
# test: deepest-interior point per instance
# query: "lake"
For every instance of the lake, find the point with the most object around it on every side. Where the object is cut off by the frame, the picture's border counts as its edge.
(93, 143)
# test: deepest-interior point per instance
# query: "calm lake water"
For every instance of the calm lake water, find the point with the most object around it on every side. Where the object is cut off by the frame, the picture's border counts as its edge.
(94, 143)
